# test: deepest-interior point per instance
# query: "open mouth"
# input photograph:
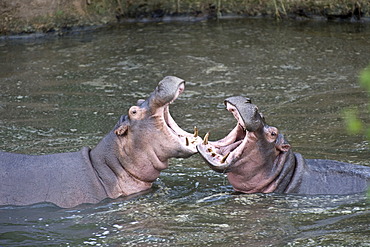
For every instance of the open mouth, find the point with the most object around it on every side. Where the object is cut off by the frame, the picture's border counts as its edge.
(187, 140)
(220, 155)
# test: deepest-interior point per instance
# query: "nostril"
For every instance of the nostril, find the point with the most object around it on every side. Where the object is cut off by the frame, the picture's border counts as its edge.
(181, 87)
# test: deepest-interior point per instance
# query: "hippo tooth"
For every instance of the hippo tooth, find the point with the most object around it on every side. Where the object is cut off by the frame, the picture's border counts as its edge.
(225, 157)
(187, 141)
(195, 131)
(205, 139)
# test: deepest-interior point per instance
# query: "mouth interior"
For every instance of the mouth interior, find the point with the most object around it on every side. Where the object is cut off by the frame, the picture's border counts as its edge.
(185, 138)
(221, 153)
(231, 142)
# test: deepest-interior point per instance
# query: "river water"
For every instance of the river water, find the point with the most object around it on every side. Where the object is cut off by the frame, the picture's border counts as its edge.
(59, 94)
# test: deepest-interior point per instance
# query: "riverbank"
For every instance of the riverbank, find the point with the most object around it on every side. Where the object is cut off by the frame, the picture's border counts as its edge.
(60, 16)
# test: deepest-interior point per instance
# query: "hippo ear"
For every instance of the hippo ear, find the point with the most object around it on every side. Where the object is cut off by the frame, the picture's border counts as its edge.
(139, 102)
(282, 144)
(122, 129)
(283, 147)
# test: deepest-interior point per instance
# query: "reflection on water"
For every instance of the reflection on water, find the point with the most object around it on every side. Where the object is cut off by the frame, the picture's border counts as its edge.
(59, 94)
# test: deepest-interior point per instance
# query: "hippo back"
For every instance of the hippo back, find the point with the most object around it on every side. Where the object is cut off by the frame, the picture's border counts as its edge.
(317, 176)
(65, 179)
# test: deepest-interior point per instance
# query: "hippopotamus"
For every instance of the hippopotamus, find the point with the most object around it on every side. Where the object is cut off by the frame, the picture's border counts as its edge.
(258, 159)
(126, 161)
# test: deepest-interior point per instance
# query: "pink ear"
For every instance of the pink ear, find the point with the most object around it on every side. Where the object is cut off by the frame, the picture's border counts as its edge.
(140, 101)
(283, 147)
(282, 144)
(121, 130)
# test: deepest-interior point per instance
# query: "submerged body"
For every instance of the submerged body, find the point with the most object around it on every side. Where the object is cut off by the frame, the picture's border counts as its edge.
(257, 159)
(61, 179)
(317, 176)
(126, 161)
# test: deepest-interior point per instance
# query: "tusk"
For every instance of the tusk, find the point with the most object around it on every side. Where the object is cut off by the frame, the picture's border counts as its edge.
(225, 157)
(195, 131)
(205, 139)
(187, 141)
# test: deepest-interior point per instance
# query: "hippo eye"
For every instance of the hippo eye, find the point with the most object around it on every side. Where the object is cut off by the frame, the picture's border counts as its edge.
(273, 133)
(133, 112)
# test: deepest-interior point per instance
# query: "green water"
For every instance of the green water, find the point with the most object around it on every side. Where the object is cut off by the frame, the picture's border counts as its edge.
(59, 94)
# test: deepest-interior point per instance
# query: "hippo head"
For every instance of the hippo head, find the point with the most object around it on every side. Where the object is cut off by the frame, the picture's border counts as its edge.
(148, 136)
(250, 153)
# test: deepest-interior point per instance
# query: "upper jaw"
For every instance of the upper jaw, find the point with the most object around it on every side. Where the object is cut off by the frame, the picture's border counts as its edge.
(166, 92)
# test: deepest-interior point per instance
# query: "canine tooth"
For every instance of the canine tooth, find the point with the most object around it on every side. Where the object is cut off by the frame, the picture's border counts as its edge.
(225, 157)
(205, 139)
(187, 141)
(195, 131)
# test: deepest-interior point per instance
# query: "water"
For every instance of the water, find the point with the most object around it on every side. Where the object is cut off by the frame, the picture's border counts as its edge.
(61, 93)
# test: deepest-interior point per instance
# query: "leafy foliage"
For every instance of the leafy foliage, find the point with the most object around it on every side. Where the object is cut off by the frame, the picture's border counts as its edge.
(351, 115)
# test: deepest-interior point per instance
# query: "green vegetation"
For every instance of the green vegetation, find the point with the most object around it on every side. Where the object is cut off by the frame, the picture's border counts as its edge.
(18, 16)
(353, 122)
(365, 83)
(365, 79)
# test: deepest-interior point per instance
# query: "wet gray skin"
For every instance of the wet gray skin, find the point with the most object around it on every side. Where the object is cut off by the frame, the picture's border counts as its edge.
(257, 158)
(125, 162)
